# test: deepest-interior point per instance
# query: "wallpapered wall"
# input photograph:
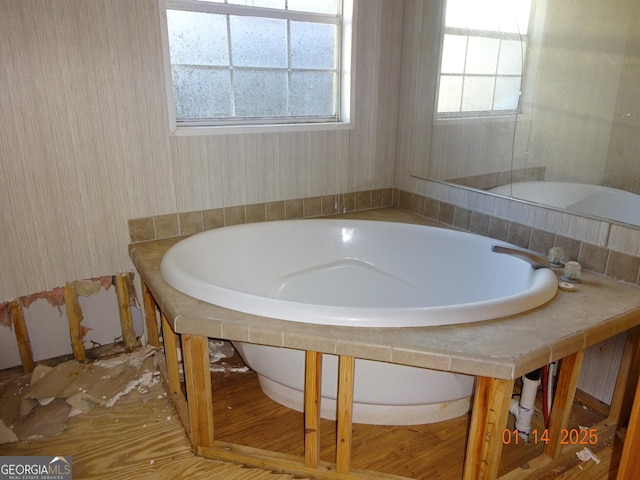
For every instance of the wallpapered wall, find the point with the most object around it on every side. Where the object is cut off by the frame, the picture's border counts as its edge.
(85, 142)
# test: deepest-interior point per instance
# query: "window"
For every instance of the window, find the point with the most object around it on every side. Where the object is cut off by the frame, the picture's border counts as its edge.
(257, 62)
(483, 56)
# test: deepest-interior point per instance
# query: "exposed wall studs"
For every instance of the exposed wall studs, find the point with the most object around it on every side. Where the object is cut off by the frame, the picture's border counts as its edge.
(22, 335)
(75, 317)
(126, 321)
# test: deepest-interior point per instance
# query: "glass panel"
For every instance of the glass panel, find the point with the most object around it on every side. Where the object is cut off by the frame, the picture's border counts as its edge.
(313, 45)
(510, 60)
(482, 55)
(454, 53)
(260, 93)
(258, 42)
(516, 17)
(197, 38)
(201, 92)
(450, 94)
(491, 15)
(317, 6)
(507, 93)
(477, 95)
(312, 93)
(259, 3)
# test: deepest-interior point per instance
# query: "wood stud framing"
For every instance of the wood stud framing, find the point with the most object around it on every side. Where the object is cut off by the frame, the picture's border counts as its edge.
(630, 461)
(22, 335)
(75, 316)
(565, 393)
(312, 395)
(488, 419)
(126, 321)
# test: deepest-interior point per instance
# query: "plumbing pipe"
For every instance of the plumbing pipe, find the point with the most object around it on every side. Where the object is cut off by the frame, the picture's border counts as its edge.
(523, 409)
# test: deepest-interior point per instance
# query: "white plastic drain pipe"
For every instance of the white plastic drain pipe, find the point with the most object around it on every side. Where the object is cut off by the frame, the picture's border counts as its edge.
(523, 409)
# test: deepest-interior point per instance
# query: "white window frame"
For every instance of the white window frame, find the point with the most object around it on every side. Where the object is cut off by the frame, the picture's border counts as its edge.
(346, 72)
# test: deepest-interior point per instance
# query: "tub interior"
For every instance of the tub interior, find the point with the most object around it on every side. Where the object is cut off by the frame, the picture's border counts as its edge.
(365, 273)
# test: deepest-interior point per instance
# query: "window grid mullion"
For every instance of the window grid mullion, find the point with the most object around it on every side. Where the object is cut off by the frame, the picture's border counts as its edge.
(288, 47)
(232, 89)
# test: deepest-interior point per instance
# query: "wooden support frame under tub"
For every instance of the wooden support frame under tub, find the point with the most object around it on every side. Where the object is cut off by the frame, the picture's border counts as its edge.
(484, 446)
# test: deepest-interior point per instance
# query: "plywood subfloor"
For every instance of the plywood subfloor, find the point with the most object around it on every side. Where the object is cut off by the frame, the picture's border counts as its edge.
(244, 415)
(146, 440)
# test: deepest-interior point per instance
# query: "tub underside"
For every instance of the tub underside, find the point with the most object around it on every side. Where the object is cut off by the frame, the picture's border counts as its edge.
(368, 413)
(384, 393)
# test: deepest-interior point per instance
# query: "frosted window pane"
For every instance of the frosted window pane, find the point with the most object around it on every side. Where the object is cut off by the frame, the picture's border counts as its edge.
(477, 95)
(482, 55)
(492, 15)
(197, 38)
(312, 93)
(260, 93)
(260, 3)
(454, 53)
(201, 93)
(258, 42)
(318, 6)
(313, 45)
(507, 93)
(450, 94)
(510, 60)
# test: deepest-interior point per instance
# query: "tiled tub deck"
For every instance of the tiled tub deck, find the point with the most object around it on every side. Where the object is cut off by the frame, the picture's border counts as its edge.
(497, 352)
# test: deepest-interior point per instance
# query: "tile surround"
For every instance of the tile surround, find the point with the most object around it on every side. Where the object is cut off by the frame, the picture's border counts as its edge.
(611, 250)
(188, 223)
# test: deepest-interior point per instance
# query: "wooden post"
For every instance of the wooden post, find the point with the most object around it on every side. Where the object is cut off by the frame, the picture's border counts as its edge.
(346, 368)
(630, 461)
(488, 420)
(74, 317)
(561, 409)
(627, 378)
(171, 354)
(150, 316)
(22, 335)
(312, 396)
(124, 305)
(195, 350)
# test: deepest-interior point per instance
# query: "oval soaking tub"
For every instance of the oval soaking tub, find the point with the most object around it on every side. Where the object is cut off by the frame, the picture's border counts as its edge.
(364, 274)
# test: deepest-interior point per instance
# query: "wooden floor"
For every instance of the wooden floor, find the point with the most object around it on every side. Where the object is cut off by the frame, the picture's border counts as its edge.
(146, 440)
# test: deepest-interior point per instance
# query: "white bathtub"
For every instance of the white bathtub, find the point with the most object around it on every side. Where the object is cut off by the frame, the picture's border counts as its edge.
(363, 274)
(581, 198)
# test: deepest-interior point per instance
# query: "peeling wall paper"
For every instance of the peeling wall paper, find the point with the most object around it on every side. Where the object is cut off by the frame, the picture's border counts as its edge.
(55, 297)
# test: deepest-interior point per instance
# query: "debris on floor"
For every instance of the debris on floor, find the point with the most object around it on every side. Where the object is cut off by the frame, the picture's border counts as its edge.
(585, 455)
(38, 405)
(219, 352)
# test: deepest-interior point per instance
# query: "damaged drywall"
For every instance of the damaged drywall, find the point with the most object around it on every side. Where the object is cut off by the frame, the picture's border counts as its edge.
(46, 318)
(39, 405)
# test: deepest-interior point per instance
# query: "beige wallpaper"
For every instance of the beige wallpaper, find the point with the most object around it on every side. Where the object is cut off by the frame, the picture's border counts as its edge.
(85, 144)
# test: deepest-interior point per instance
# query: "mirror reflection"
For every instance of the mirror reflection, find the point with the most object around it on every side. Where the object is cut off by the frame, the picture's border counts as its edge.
(540, 100)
